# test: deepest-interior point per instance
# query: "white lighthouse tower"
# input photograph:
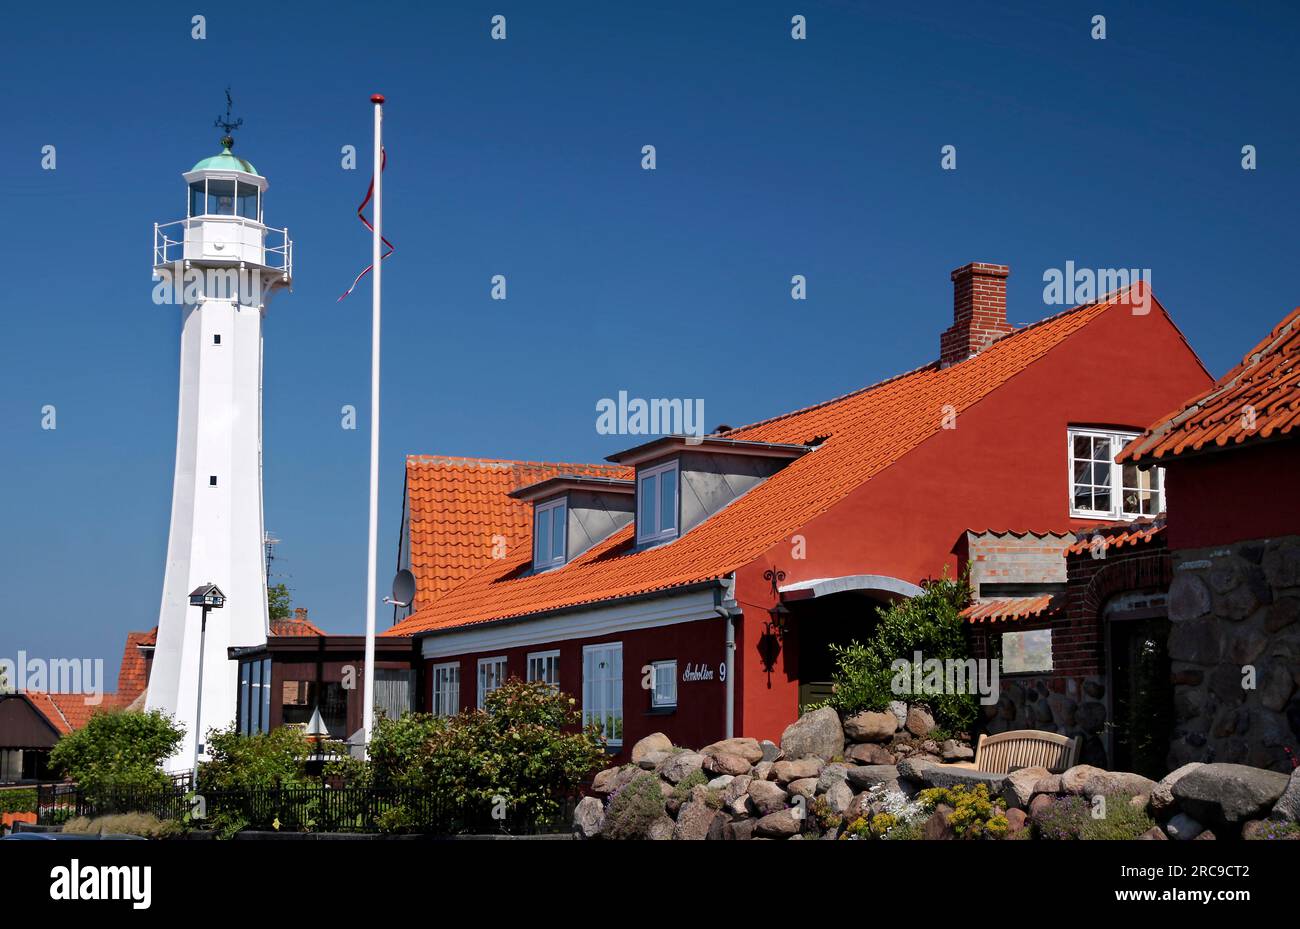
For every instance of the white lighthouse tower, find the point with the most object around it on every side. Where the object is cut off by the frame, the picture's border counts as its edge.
(221, 265)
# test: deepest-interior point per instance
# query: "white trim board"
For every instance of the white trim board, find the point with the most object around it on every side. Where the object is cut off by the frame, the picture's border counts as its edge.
(616, 618)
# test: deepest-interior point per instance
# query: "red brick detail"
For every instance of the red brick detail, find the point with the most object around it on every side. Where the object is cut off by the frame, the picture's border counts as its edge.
(979, 311)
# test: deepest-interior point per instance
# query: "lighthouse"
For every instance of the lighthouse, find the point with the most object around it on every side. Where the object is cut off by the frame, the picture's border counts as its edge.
(219, 267)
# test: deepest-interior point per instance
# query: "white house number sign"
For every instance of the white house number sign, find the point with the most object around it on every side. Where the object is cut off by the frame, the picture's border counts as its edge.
(703, 672)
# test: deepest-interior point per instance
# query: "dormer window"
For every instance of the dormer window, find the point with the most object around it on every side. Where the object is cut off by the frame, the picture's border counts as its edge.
(549, 521)
(657, 505)
(1102, 489)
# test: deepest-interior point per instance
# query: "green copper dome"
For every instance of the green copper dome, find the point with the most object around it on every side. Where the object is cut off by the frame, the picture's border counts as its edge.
(225, 162)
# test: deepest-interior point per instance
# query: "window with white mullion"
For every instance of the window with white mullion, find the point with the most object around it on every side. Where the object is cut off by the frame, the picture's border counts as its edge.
(491, 675)
(549, 531)
(544, 667)
(446, 689)
(602, 690)
(1102, 489)
(656, 518)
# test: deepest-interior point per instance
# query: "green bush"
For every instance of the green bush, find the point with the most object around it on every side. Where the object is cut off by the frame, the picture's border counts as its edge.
(18, 801)
(929, 623)
(525, 750)
(118, 751)
(633, 808)
(976, 814)
(682, 790)
(245, 762)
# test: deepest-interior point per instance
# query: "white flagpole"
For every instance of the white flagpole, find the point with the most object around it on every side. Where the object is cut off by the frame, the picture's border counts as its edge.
(368, 702)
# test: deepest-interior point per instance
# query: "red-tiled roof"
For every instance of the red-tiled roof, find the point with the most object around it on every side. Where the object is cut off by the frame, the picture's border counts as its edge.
(69, 712)
(297, 625)
(1012, 608)
(1258, 399)
(133, 676)
(458, 506)
(1137, 532)
(865, 432)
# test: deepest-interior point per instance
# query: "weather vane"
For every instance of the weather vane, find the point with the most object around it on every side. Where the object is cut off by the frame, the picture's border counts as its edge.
(227, 125)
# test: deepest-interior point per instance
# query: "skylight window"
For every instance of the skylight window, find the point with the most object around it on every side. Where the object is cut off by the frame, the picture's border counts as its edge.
(548, 534)
(656, 492)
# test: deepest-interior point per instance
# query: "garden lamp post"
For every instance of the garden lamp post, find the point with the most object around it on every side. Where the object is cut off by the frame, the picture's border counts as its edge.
(208, 597)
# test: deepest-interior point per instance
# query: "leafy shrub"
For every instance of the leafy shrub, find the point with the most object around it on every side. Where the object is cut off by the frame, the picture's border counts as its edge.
(930, 623)
(526, 749)
(682, 791)
(18, 801)
(1071, 818)
(142, 824)
(118, 751)
(633, 808)
(246, 762)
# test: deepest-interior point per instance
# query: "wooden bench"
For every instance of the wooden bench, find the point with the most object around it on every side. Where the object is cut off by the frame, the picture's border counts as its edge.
(1025, 748)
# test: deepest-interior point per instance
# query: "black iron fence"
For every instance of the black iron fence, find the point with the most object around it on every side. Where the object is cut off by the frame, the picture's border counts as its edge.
(305, 809)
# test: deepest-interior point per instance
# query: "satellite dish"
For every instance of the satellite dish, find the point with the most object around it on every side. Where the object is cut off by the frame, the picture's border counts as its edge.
(403, 589)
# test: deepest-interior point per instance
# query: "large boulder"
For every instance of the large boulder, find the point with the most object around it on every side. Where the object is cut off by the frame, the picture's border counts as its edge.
(781, 824)
(603, 784)
(749, 749)
(588, 818)
(1018, 789)
(919, 722)
(868, 726)
(735, 795)
(786, 771)
(839, 797)
(766, 796)
(805, 787)
(1112, 783)
(1161, 802)
(678, 767)
(1229, 793)
(652, 760)
(726, 763)
(1287, 807)
(864, 777)
(817, 734)
(654, 742)
(1075, 780)
(869, 753)
(696, 821)
(831, 775)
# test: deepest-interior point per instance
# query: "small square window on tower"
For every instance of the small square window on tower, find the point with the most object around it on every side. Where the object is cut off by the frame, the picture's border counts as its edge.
(216, 338)
(212, 480)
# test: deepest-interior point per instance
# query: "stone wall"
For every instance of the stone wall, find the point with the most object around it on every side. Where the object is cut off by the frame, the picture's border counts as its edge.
(1235, 648)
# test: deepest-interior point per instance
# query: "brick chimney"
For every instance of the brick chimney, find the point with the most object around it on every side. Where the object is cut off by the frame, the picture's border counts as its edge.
(979, 311)
(300, 614)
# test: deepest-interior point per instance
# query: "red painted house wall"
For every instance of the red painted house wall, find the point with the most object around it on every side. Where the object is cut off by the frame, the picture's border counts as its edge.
(1234, 495)
(700, 716)
(1004, 466)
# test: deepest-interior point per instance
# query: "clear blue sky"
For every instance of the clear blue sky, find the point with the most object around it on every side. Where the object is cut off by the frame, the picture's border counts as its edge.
(522, 158)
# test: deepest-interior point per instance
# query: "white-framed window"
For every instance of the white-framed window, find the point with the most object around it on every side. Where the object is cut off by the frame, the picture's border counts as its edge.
(545, 667)
(656, 503)
(491, 675)
(1030, 650)
(446, 689)
(548, 534)
(602, 689)
(1101, 488)
(663, 693)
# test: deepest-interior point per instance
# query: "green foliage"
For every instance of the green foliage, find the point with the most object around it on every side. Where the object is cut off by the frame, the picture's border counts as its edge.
(526, 750)
(633, 808)
(18, 801)
(1073, 818)
(976, 814)
(278, 601)
(930, 623)
(268, 759)
(118, 751)
(142, 824)
(683, 788)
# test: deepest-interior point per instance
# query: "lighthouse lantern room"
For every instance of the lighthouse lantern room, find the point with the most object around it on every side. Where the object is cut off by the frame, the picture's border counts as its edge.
(231, 264)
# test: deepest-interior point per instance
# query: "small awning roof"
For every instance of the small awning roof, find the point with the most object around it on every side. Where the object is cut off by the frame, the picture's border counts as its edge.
(1010, 609)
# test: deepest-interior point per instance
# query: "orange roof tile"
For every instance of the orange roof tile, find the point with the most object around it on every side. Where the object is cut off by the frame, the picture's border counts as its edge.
(1258, 399)
(297, 625)
(458, 506)
(1013, 608)
(68, 712)
(132, 676)
(866, 431)
(1135, 533)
